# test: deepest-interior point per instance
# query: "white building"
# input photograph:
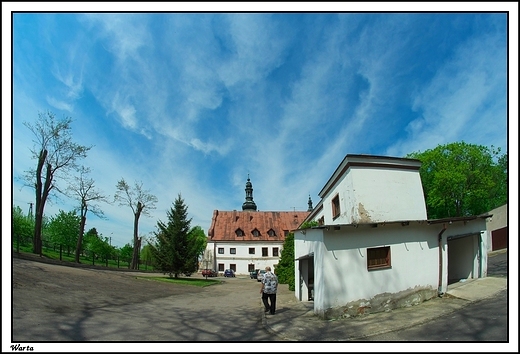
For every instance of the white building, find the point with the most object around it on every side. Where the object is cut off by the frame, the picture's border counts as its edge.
(249, 239)
(374, 248)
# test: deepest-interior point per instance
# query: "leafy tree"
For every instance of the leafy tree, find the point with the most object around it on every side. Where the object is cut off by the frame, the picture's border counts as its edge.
(82, 188)
(126, 252)
(23, 226)
(461, 179)
(285, 268)
(63, 229)
(197, 244)
(309, 224)
(56, 154)
(147, 254)
(98, 245)
(140, 201)
(177, 247)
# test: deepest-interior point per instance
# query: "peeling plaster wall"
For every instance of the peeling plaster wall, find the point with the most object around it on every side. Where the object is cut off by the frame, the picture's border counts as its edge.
(371, 195)
(385, 195)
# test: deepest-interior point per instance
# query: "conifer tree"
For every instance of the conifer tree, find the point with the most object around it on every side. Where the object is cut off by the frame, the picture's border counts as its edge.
(173, 250)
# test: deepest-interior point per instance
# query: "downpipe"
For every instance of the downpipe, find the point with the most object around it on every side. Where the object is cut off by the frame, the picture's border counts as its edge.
(439, 292)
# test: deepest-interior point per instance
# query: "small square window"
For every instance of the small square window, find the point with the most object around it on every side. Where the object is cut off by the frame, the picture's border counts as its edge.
(378, 258)
(221, 250)
(233, 251)
(265, 252)
(221, 267)
(275, 251)
(335, 207)
(251, 250)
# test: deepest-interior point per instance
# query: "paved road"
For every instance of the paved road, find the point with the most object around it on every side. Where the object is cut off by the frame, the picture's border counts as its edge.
(483, 321)
(57, 303)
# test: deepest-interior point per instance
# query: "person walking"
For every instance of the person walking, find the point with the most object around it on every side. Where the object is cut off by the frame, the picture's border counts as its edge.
(268, 290)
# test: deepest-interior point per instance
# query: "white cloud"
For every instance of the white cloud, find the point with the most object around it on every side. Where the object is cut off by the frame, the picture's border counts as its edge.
(61, 105)
(459, 97)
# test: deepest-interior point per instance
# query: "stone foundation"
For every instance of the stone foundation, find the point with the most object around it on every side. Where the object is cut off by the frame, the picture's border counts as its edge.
(380, 303)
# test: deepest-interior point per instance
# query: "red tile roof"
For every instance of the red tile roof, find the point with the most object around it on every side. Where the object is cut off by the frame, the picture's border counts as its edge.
(225, 224)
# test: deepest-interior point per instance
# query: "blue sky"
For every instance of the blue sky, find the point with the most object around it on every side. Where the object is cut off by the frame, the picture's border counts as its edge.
(193, 103)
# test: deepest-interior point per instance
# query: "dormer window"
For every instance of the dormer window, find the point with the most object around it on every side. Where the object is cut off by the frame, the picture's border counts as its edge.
(239, 232)
(255, 232)
(271, 233)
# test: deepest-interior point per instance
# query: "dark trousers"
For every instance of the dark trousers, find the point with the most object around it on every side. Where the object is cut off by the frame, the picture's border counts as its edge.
(266, 298)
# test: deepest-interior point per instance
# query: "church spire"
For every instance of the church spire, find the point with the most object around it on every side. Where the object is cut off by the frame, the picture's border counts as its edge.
(249, 204)
(310, 203)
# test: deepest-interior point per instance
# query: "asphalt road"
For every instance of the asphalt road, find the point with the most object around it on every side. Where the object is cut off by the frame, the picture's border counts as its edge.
(83, 307)
(53, 303)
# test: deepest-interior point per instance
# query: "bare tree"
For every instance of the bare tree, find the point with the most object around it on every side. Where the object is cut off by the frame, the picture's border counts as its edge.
(56, 154)
(82, 189)
(141, 202)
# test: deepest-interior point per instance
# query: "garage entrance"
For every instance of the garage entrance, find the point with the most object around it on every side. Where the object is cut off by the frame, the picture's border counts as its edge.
(463, 257)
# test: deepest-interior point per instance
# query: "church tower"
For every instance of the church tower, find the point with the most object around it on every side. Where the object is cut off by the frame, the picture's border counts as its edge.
(249, 204)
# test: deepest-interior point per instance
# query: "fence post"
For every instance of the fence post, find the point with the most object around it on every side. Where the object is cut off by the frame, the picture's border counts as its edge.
(117, 261)
(93, 257)
(60, 252)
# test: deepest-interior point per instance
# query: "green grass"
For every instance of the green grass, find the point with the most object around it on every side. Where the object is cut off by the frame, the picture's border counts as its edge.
(52, 254)
(184, 281)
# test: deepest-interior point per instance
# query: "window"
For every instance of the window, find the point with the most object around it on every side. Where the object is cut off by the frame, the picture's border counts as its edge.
(275, 251)
(264, 252)
(233, 267)
(221, 267)
(321, 221)
(335, 207)
(255, 232)
(378, 258)
(233, 251)
(250, 268)
(239, 232)
(285, 232)
(271, 233)
(221, 250)
(251, 250)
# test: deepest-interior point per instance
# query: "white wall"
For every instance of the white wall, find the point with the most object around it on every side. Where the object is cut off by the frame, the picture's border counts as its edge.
(376, 195)
(341, 274)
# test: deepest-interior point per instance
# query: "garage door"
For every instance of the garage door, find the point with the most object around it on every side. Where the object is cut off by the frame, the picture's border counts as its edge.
(499, 239)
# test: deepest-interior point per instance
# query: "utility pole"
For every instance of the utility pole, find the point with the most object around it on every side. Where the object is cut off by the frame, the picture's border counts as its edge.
(30, 210)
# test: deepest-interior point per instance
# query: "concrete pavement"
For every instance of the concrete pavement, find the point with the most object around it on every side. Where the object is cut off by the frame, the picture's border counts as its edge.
(295, 320)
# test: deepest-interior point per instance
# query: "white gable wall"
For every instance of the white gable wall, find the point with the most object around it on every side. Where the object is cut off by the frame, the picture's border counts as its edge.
(370, 195)
(384, 195)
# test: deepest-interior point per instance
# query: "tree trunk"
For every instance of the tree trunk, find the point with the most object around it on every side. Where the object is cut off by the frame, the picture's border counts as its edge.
(80, 237)
(37, 239)
(135, 255)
